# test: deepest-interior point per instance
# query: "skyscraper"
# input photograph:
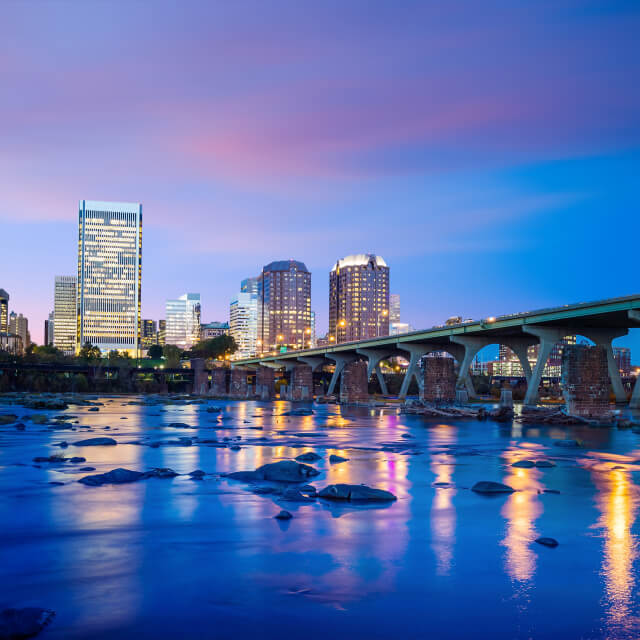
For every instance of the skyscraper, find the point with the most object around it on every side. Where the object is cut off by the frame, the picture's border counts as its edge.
(19, 326)
(65, 317)
(4, 311)
(183, 320)
(149, 333)
(284, 305)
(109, 275)
(358, 298)
(48, 330)
(162, 332)
(394, 307)
(243, 323)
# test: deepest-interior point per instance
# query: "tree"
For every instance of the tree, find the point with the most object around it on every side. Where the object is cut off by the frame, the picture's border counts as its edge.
(217, 347)
(45, 353)
(154, 352)
(89, 354)
(172, 355)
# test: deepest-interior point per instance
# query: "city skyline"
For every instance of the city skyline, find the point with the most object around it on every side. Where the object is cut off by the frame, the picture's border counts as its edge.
(506, 180)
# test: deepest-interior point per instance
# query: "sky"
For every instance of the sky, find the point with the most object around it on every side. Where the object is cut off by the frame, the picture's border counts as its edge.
(490, 152)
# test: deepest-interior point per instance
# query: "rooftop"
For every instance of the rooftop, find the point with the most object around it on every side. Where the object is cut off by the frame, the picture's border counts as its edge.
(359, 260)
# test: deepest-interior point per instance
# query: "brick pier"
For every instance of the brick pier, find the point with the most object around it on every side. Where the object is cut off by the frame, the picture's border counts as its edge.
(585, 381)
(354, 387)
(301, 387)
(218, 382)
(439, 380)
(265, 383)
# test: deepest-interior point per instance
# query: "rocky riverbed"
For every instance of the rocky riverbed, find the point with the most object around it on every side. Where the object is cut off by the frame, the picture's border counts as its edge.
(154, 517)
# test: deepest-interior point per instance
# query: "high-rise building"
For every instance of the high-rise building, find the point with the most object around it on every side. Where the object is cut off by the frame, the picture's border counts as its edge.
(213, 330)
(19, 326)
(249, 285)
(4, 311)
(359, 298)
(508, 364)
(149, 333)
(284, 306)
(394, 307)
(183, 320)
(312, 338)
(162, 332)
(243, 323)
(48, 330)
(110, 275)
(65, 316)
(622, 356)
(398, 328)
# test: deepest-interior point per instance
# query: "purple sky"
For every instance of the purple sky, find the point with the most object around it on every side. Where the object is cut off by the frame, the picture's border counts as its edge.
(490, 152)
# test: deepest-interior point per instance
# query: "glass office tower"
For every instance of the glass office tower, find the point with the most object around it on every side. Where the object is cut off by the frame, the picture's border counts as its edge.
(64, 314)
(109, 275)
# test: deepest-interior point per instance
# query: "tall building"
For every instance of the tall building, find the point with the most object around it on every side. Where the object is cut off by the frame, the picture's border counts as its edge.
(149, 333)
(622, 356)
(65, 316)
(359, 298)
(243, 323)
(394, 307)
(109, 275)
(213, 330)
(162, 332)
(312, 338)
(4, 311)
(508, 364)
(249, 285)
(48, 330)
(284, 306)
(19, 326)
(183, 320)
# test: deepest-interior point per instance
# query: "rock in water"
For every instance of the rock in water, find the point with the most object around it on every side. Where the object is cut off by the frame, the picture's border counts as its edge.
(569, 444)
(198, 474)
(23, 623)
(95, 442)
(486, 486)
(283, 515)
(524, 464)
(283, 471)
(115, 476)
(161, 472)
(544, 464)
(293, 495)
(309, 456)
(8, 418)
(547, 542)
(334, 459)
(93, 409)
(356, 493)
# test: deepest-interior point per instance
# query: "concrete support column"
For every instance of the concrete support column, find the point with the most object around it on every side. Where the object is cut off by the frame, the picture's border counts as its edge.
(548, 337)
(635, 396)
(301, 383)
(417, 352)
(218, 382)
(374, 357)
(471, 346)
(341, 362)
(603, 338)
(239, 387)
(585, 381)
(520, 346)
(200, 377)
(265, 383)
(439, 380)
(354, 387)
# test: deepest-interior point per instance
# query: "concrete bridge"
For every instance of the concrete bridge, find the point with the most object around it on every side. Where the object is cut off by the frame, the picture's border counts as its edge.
(600, 322)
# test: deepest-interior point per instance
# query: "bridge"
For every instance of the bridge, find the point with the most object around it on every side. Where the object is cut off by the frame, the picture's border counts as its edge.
(601, 322)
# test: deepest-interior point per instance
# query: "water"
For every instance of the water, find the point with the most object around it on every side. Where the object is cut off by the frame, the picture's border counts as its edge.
(185, 559)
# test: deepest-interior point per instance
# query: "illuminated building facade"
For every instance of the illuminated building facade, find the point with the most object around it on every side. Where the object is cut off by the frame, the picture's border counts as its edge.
(213, 330)
(149, 333)
(243, 323)
(394, 307)
(183, 321)
(4, 311)
(48, 330)
(284, 306)
(65, 318)
(358, 298)
(109, 276)
(162, 332)
(508, 364)
(622, 356)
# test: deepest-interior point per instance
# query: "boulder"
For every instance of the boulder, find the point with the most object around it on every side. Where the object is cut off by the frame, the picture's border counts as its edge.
(547, 542)
(93, 409)
(544, 464)
(161, 472)
(293, 495)
(298, 412)
(486, 486)
(23, 623)
(334, 459)
(198, 474)
(569, 444)
(54, 458)
(309, 456)
(356, 493)
(283, 515)
(115, 476)
(95, 442)
(8, 418)
(77, 459)
(283, 471)
(38, 418)
(524, 464)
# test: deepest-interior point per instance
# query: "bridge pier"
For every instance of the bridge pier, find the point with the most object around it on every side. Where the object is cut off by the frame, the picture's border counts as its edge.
(200, 377)
(417, 352)
(603, 338)
(585, 381)
(471, 345)
(374, 357)
(239, 387)
(301, 388)
(218, 382)
(548, 336)
(354, 387)
(520, 346)
(439, 380)
(341, 362)
(265, 383)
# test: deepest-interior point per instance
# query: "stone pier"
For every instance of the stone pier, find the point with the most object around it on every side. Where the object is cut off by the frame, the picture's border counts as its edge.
(265, 383)
(354, 386)
(439, 380)
(585, 381)
(301, 388)
(200, 377)
(218, 382)
(238, 387)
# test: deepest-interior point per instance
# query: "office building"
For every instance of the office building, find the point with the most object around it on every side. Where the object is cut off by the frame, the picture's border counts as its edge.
(162, 332)
(249, 285)
(394, 307)
(65, 316)
(508, 364)
(48, 330)
(284, 306)
(312, 338)
(4, 311)
(622, 356)
(149, 334)
(359, 298)
(213, 330)
(19, 326)
(183, 321)
(398, 328)
(109, 276)
(243, 323)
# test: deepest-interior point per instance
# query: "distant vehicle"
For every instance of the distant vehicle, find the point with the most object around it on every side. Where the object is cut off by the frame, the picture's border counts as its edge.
(453, 320)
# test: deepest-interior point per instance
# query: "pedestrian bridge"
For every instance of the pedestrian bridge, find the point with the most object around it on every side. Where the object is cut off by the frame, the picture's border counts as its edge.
(600, 321)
